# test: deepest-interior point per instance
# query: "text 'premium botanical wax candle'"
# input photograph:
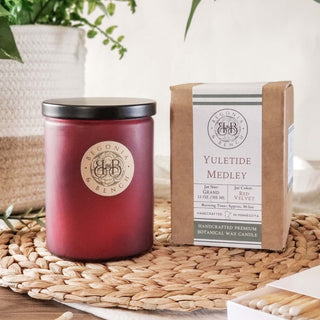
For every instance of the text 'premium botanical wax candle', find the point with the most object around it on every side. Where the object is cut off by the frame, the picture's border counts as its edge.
(99, 177)
(232, 164)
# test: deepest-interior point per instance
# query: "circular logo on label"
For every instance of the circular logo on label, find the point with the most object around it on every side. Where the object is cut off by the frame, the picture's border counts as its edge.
(107, 168)
(227, 128)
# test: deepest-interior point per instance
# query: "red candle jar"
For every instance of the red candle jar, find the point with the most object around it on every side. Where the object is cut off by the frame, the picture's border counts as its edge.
(99, 177)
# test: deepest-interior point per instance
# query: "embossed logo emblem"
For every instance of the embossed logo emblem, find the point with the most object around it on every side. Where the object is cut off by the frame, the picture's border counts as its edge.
(227, 128)
(107, 168)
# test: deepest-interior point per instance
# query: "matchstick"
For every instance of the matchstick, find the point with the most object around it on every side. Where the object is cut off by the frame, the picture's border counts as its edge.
(274, 308)
(305, 307)
(275, 312)
(287, 305)
(314, 315)
(272, 298)
(308, 316)
(246, 302)
(261, 302)
(66, 316)
(298, 302)
(272, 302)
(266, 309)
(253, 303)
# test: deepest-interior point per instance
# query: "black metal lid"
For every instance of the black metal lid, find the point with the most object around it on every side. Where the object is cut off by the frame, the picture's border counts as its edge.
(99, 108)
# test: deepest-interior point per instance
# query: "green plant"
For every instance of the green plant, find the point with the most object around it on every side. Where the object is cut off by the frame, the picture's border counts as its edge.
(194, 6)
(23, 218)
(58, 12)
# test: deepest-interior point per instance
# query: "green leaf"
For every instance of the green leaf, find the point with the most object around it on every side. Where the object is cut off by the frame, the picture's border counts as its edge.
(99, 20)
(91, 6)
(111, 7)
(80, 5)
(8, 211)
(110, 29)
(103, 8)
(120, 38)
(106, 41)
(24, 223)
(114, 47)
(28, 12)
(77, 25)
(317, 1)
(75, 16)
(3, 11)
(40, 212)
(42, 224)
(122, 51)
(9, 224)
(8, 47)
(27, 213)
(92, 33)
(132, 4)
(194, 6)
(31, 13)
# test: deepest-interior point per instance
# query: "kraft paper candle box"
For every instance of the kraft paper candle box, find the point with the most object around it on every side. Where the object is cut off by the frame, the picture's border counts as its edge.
(232, 164)
(304, 283)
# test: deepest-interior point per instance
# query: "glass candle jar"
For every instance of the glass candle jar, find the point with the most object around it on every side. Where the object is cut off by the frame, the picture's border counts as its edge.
(99, 177)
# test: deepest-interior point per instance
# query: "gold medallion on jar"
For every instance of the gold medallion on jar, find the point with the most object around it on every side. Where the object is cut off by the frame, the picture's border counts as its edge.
(107, 168)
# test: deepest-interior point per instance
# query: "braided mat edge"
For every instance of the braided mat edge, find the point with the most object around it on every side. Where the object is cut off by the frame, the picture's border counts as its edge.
(179, 278)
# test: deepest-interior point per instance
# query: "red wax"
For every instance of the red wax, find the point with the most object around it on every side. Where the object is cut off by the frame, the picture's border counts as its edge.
(82, 224)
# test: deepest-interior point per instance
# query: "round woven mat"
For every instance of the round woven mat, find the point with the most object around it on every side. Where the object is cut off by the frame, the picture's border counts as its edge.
(181, 278)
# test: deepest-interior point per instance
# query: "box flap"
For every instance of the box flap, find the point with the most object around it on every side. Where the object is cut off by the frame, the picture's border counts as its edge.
(305, 282)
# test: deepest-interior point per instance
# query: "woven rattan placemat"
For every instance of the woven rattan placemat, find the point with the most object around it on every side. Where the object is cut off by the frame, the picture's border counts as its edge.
(181, 278)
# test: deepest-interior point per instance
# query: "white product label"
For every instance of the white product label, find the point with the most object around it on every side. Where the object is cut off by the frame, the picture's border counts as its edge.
(227, 151)
(290, 155)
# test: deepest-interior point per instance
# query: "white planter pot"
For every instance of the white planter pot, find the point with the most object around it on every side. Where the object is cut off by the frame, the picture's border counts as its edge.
(54, 61)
